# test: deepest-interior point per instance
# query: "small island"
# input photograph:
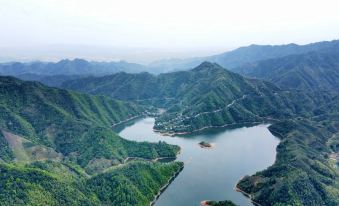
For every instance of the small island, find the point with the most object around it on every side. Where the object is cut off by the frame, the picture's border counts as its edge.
(204, 144)
(214, 203)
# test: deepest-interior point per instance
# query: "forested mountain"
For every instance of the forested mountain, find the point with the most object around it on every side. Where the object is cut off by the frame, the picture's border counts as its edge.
(243, 55)
(309, 71)
(57, 148)
(305, 171)
(209, 96)
(206, 96)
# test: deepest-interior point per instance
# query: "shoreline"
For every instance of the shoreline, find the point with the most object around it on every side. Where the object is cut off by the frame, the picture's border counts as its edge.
(249, 196)
(163, 188)
(171, 134)
(126, 120)
(204, 202)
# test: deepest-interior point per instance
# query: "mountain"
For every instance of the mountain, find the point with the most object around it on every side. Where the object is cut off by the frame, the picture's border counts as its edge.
(206, 96)
(308, 71)
(48, 80)
(306, 169)
(57, 148)
(243, 55)
(305, 172)
(69, 67)
(230, 60)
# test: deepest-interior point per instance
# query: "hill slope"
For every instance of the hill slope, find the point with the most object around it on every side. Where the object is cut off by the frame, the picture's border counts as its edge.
(60, 149)
(305, 171)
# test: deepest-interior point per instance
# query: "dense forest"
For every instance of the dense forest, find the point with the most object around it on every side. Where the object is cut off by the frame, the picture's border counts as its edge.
(57, 183)
(58, 148)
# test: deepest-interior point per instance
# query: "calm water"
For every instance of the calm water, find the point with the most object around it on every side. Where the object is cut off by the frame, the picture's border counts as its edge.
(210, 174)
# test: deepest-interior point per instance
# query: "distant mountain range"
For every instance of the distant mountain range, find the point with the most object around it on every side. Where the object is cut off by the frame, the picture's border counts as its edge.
(229, 60)
(307, 67)
(243, 55)
(308, 71)
(53, 74)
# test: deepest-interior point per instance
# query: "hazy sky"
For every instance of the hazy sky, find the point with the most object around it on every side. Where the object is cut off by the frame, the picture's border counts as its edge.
(154, 29)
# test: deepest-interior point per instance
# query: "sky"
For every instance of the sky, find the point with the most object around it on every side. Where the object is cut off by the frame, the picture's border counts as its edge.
(147, 30)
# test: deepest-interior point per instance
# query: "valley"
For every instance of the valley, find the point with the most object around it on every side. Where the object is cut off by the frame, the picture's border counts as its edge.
(213, 173)
(111, 133)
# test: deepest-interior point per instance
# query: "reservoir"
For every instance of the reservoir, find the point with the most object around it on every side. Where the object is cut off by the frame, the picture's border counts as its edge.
(210, 173)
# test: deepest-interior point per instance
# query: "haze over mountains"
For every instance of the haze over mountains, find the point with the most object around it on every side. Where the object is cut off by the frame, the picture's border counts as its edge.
(309, 71)
(239, 60)
(247, 54)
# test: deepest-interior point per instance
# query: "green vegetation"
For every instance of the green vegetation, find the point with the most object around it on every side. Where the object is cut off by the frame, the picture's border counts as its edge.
(135, 184)
(302, 173)
(52, 183)
(6, 154)
(58, 148)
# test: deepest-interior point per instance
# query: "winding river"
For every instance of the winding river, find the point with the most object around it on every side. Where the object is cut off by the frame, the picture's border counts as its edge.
(210, 174)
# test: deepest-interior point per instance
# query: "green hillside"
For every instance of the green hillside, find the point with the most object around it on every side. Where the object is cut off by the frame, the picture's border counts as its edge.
(57, 148)
(54, 183)
(304, 172)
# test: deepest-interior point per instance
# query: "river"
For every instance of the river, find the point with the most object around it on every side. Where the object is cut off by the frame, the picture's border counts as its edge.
(210, 174)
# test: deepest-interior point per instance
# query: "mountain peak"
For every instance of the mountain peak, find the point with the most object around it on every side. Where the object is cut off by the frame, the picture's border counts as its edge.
(207, 66)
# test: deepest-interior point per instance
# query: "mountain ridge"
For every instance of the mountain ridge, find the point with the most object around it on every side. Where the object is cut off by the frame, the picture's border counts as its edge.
(206, 96)
(308, 71)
